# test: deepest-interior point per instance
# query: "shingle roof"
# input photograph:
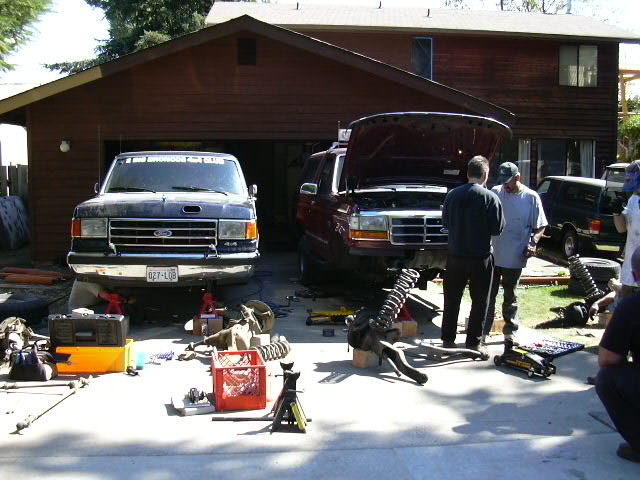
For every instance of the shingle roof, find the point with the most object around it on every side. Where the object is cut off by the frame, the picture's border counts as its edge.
(358, 17)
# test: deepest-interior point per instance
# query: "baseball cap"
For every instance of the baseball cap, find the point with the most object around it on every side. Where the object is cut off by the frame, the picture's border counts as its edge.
(506, 172)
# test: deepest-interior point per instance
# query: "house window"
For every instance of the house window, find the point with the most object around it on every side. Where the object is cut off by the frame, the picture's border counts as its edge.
(566, 157)
(421, 56)
(246, 51)
(579, 65)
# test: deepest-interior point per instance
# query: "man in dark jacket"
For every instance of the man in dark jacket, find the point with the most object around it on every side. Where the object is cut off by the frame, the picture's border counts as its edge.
(618, 381)
(472, 214)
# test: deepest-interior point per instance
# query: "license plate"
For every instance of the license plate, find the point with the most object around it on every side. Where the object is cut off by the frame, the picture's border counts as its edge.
(162, 274)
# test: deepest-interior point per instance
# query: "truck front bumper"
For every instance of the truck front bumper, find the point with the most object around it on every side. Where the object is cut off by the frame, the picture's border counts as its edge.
(131, 269)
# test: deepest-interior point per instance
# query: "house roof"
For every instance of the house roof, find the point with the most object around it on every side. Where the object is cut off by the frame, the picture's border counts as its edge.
(303, 17)
(12, 109)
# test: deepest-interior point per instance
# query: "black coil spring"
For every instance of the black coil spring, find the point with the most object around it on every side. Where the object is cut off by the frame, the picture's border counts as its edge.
(274, 351)
(396, 299)
(584, 277)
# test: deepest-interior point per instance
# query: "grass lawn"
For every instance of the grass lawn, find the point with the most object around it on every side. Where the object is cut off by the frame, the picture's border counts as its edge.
(534, 303)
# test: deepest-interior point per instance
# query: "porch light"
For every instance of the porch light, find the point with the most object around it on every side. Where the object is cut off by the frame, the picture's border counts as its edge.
(65, 146)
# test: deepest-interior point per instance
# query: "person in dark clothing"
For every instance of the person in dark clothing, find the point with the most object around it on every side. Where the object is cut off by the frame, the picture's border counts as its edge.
(472, 214)
(618, 381)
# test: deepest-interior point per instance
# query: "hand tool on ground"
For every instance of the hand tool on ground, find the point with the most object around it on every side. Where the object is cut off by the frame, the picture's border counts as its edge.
(334, 317)
(71, 384)
(434, 352)
(77, 384)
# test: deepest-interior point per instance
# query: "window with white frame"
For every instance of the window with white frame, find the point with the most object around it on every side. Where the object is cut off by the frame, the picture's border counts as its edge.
(578, 65)
(421, 57)
(566, 157)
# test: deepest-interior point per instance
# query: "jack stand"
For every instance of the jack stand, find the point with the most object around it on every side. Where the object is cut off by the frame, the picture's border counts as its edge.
(288, 407)
(115, 303)
(404, 315)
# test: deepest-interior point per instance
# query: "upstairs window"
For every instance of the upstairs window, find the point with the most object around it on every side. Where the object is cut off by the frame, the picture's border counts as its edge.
(421, 57)
(246, 51)
(579, 65)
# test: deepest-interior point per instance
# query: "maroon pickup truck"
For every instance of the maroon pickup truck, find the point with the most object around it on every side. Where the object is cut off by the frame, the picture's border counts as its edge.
(376, 205)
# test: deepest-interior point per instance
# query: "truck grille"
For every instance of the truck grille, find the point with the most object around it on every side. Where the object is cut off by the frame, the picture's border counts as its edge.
(157, 236)
(417, 231)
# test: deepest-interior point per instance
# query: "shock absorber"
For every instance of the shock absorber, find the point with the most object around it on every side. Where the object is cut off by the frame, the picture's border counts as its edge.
(584, 277)
(396, 299)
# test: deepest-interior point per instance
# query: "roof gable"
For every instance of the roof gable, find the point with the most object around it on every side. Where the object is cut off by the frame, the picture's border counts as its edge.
(10, 107)
(358, 17)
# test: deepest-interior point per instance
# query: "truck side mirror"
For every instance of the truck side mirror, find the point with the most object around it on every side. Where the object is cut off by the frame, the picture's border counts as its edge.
(253, 190)
(308, 189)
(96, 188)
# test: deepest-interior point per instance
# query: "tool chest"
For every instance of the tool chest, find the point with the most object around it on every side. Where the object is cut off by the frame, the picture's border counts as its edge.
(97, 330)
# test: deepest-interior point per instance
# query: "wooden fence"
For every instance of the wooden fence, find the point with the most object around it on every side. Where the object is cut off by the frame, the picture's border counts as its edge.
(13, 181)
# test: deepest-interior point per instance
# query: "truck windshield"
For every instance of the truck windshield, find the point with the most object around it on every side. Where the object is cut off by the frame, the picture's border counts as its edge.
(174, 174)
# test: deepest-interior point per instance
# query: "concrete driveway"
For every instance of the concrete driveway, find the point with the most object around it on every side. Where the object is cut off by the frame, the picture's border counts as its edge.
(470, 420)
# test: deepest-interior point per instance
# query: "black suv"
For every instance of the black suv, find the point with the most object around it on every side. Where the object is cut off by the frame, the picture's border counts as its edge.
(579, 212)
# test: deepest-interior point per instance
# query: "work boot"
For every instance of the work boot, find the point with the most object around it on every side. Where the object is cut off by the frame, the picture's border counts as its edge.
(625, 451)
(449, 344)
(479, 347)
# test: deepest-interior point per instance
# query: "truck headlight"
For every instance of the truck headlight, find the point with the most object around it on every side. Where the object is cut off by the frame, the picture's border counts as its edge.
(368, 227)
(89, 227)
(237, 230)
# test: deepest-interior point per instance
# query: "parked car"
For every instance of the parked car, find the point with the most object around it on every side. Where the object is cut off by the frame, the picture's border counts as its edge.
(167, 219)
(376, 205)
(579, 214)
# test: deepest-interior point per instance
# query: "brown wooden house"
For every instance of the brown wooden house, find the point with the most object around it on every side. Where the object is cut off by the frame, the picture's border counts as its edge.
(271, 96)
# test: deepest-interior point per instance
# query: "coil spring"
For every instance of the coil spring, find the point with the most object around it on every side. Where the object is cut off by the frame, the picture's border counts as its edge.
(584, 277)
(396, 298)
(273, 351)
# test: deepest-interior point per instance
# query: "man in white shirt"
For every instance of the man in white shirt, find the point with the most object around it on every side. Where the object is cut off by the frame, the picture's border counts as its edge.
(627, 219)
(525, 222)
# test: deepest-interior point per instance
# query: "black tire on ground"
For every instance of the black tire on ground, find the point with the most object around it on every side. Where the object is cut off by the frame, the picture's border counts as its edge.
(570, 244)
(308, 269)
(31, 308)
(601, 269)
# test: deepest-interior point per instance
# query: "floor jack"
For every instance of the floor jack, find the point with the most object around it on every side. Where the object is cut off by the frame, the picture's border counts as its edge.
(525, 360)
(287, 407)
(334, 317)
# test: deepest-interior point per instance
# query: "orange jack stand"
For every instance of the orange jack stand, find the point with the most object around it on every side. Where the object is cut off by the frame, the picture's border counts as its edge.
(115, 303)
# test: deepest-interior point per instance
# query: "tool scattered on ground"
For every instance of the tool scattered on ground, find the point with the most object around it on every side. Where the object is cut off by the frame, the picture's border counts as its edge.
(77, 385)
(552, 347)
(13, 386)
(333, 317)
(524, 360)
(194, 402)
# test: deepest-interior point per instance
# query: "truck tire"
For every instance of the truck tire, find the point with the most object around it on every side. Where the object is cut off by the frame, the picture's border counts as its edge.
(570, 243)
(601, 269)
(308, 268)
(31, 308)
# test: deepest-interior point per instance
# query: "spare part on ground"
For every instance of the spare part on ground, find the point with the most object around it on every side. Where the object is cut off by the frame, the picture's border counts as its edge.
(238, 335)
(521, 359)
(273, 350)
(433, 352)
(591, 275)
(77, 384)
(373, 331)
(15, 335)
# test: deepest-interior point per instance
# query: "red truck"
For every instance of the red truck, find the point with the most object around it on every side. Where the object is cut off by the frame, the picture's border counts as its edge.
(375, 206)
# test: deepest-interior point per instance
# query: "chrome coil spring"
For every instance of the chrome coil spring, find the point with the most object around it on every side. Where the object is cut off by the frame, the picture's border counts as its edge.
(273, 351)
(584, 277)
(396, 299)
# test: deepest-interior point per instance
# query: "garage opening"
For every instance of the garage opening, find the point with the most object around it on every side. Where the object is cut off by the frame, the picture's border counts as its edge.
(273, 165)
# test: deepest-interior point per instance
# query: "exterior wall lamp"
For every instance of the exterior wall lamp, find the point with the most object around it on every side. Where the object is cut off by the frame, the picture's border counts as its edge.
(65, 146)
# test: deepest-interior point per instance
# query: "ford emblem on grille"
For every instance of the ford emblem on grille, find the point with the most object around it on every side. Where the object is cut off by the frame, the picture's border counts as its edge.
(162, 233)
(444, 230)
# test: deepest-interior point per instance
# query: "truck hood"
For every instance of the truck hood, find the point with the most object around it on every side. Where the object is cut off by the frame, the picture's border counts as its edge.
(167, 205)
(417, 148)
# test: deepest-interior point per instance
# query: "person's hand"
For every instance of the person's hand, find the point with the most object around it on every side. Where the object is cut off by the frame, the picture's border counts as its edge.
(530, 250)
(593, 311)
(617, 205)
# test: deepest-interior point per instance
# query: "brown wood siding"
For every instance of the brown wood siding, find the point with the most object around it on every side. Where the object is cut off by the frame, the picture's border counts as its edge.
(520, 75)
(198, 94)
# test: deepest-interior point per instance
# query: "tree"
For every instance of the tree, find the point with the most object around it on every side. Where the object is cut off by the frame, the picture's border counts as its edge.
(138, 24)
(16, 18)
(629, 131)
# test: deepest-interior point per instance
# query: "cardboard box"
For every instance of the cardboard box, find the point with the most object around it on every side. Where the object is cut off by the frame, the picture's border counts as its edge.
(408, 328)
(208, 323)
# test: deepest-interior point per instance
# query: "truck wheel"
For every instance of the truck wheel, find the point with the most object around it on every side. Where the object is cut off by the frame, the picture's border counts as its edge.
(30, 308)
(601, 269)
(308, 270)
(570, 245)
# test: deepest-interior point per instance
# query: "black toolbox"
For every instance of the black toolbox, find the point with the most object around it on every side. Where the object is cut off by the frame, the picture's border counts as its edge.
(88, 330)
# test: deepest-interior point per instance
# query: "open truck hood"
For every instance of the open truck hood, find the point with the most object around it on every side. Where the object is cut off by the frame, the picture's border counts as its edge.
(417, 148)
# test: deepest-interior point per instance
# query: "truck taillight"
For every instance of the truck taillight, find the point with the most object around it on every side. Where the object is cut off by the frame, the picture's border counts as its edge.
(75, 227)
(595, 226)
